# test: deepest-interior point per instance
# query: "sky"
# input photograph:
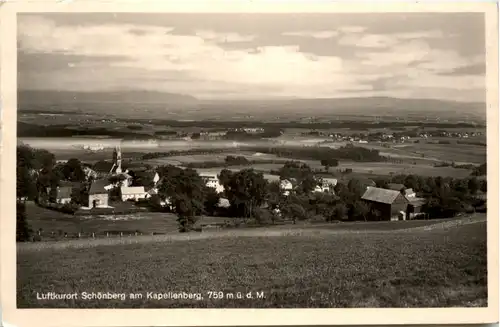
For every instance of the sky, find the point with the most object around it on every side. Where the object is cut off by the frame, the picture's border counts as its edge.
(257, 56)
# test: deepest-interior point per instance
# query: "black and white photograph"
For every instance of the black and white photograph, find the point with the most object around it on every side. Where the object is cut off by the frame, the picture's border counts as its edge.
(252, 160)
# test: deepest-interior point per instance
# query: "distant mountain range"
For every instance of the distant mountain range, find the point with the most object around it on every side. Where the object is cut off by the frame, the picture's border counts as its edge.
(145, 104)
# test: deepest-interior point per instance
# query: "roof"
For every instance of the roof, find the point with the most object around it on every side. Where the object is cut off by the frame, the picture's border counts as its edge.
(270, 177)
(97, 186)
(417, 202)
(380, 195)
(102, 166)
(395, 187)
(153, 191)
(128, 190)
(64, 192)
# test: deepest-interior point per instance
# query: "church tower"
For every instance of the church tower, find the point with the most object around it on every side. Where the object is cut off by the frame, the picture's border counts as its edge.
(117, 159)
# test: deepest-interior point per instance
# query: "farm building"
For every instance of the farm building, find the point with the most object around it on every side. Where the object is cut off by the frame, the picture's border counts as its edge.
(212, 181)
(410, 193)
(63, 193)
(415, 207)
(389, 203)
(132, 193)
(98, 195)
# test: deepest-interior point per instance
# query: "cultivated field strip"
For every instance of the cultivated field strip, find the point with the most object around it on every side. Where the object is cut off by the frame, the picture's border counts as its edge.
(311, 231)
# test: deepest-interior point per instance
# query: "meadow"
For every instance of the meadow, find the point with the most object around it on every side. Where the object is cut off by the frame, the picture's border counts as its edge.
(439, 264)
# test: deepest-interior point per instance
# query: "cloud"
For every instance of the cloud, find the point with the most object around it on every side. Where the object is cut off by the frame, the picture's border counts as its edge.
(313, 34)
(115, 55)
(473, 69)
(352, 29)
(386, 40)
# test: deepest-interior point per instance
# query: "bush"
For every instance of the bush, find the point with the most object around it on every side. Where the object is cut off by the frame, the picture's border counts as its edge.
(295, 212)
(263, 216)
(317, 219)
(69, 208)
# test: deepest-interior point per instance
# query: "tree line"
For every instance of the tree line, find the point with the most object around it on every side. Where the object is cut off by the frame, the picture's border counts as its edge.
(347, 152)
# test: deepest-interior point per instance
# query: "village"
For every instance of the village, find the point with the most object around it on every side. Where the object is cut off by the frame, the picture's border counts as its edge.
(137, 184)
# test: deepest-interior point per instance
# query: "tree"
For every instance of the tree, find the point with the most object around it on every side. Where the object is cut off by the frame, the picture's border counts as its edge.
(185, 189)
(25, 188)
(116, 179)
(73, 171)
(382, 183)
(79, 194)
(331, 162)
(294, 211)
(30, 163)
(211, 203)
(473, 185)
(23, 231)
(483, 186)
(302, 173)
(360, 210)
(339, 211)
(143, 179)
(245, 190)
(480, 171)
(225, 176)
(411, 181)
(356, 186)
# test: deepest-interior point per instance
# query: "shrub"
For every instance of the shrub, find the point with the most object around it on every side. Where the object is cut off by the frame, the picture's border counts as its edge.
(317, 219)
(70, 208)
(263, 216)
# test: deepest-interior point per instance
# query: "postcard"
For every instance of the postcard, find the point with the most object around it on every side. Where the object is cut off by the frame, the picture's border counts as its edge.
(248, 163)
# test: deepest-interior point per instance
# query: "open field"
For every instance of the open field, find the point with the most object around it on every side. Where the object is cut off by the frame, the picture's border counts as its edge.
(144, 222)
(216, 157)
(366, 169)
(439, 267)
(166, 223)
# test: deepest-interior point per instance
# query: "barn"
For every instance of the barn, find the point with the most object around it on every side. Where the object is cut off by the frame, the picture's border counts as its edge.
(98, 195)
(415, 207)
(389, 203)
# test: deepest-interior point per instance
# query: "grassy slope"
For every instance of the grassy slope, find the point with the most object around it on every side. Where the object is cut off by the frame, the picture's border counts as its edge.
(420, 268)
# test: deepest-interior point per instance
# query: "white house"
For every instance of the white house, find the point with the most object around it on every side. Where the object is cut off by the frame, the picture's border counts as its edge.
(326, 185)
(286, 186)
(132, 193)
(212, 181)
(409, 193)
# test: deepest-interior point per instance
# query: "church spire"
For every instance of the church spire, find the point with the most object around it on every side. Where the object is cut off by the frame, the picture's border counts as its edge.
(117, 156)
